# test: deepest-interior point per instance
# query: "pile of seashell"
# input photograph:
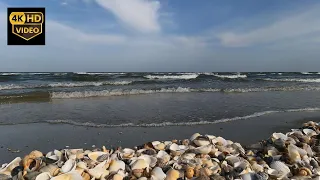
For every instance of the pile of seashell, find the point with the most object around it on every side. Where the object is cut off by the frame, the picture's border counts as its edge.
(294, 155)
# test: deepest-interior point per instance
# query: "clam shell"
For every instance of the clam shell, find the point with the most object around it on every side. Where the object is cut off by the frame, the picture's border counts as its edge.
(203, 149)
(9, 167)
(158, 145)
(68, 166)
(52, 169)
(43, 176)
(150, 160)
(309, 132)
(115, 166)
(139, 164)
(68, 176)
(158, 174)
(279, 136)
(127, 153)
(172, 174)
(282, 170)
(220, 141)
(194, 136)
(201, 141)
(98, 171)
(98, 156)
(293, 153)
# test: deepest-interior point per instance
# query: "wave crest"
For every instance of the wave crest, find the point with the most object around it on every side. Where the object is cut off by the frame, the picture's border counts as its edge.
(257, 114)
(183, 76)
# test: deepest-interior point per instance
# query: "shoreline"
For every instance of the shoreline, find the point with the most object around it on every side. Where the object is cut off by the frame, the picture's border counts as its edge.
(45, 137)
(205, 156)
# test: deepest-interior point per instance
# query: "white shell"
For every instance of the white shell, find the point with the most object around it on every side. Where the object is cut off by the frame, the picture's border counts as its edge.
(294, 153)
(194, 136)
(164, 156)
(158, 174)
(68, 166)
(282, 170)
(9, 167)
(309, 132)
(203, 149)
(95, 155)
(70, 175)
(43, 176)
(116, 165)
(201, 141)
(139, 164)
(280, 136)
(98, 170)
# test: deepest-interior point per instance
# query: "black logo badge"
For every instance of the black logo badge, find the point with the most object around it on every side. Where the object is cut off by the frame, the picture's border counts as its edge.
(26, 26)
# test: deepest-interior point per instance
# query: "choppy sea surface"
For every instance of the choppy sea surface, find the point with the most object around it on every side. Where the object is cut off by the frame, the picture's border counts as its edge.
(153, 99)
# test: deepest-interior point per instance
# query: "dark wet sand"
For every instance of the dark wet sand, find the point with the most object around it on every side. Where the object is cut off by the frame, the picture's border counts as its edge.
(46, 137)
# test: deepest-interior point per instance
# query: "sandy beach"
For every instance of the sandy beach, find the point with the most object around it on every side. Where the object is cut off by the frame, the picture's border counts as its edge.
(46, 137)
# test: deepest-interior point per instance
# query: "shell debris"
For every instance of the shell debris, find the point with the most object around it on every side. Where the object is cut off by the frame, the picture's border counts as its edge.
(291, 155)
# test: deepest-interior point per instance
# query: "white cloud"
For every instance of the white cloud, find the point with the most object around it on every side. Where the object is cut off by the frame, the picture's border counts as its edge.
(293, 26)
(56, 29)
(142, 15)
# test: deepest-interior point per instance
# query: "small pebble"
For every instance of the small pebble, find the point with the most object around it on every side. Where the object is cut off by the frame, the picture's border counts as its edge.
(67, 146)
(93, 146)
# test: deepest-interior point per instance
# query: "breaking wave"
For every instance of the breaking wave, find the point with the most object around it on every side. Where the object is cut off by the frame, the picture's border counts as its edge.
(183, 76)
(124, 92)
(235, 76)
(80, 84)
(257, 114)
(10, 86)
(294, 80)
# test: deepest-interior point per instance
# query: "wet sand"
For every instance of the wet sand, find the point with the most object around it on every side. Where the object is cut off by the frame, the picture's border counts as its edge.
(46, 137)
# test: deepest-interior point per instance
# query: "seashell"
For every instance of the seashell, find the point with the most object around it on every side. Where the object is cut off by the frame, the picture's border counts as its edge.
(305, 172)
(143, 178)
(117, 177)
(137, 172)
(82, 165)
(188, 156)
(164, 156)
(189, 172)
(150, 160)
(309, 132)
(68, 176)
(232, 160)
(157, 174)
(115, 166)
(194, 136)
(69, 165)
(158, 145)
(316, 171)
(5, 177)
(52, 169)
(127, 153)
(98, 156)
(31, 160)
(257, 146)
(44, 176)
(238, 148)
(98, 171)
(9, 167)
(177, 150)
(31, 175)
(308, 149)
(85, 176)
(172, 175)
(279, 144)
(294, 154)
(220, 141)
(281, 169)
(201, 141)
(203, 149)
(139, 164)
(281, 136)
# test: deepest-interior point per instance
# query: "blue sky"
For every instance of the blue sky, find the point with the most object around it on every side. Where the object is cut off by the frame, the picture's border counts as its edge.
(169, 35)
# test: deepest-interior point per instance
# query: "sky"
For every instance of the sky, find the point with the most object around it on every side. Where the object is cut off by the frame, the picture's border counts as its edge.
(168, 35)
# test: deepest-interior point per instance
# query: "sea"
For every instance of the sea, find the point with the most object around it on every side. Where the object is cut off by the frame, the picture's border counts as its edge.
(152, 99)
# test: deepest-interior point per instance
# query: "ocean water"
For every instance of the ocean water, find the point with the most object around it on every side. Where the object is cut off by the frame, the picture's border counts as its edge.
(153, 99)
